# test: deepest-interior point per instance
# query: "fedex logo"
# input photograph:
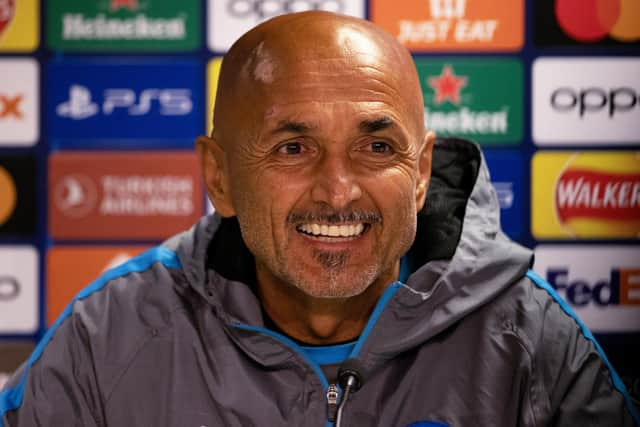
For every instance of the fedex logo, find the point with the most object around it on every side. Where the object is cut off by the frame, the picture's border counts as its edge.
(600, 283)
(148, 103)
(621, 288)
(169, 102)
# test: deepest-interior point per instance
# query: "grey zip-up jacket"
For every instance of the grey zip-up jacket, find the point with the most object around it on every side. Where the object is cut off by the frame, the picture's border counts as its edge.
(176, 337)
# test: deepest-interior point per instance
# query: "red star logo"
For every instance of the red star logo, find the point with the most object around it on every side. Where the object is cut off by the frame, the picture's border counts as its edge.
(447, 86)
(119, 4)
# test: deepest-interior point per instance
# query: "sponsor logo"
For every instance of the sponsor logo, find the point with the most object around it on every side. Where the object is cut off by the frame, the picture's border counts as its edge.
(9, 288)
(7, 195)
(18, 206)
(470, 98)
(171, 102)
(229, 19)
(7, 10)
(70, 269)
(590, 195)
(507, 177)
(19, 25)
(18, 289)
(453, 24)
(261, 9)
(601, 284)
(213, 71)
(572, 22)
(95, 102)
(124, 25)
(582, 101)
(123, 195)
(75, 195)
(18, 102)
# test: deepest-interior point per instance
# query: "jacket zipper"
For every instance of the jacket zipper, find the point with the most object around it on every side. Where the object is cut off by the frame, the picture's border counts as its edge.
(332, 402)
(332, 390)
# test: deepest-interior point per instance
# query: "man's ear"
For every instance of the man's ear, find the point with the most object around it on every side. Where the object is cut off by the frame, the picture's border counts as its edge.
(424, 169)
(214, 171)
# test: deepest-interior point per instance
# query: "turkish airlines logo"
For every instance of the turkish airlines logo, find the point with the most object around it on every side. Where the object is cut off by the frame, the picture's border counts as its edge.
(169, 102)
(10, 106)
(7, 11)
(582, 193)
(75, 195)
(591, 21)
(263, 9)
(447, 86)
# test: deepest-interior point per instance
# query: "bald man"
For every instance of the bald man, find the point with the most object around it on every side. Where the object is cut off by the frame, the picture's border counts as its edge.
(329, 288)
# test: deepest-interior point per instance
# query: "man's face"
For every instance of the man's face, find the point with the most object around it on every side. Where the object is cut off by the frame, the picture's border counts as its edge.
(327, 180)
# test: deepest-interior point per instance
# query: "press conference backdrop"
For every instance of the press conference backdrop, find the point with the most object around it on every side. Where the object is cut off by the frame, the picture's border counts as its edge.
(100, 102)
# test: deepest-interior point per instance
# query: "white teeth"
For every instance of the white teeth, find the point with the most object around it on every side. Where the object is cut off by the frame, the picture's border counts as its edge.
(350, 230)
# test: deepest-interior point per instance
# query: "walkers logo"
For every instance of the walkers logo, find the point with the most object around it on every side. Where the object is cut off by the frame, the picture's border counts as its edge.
(601, 284)
(146, 101)
(478, 99)
(124, 25)
(19, 25)
(71, 269)
(590, 195)
(453, 24)
(18, 289)
(229, 19)
(19, 102)
(599, 22)
(586, 101)
(507, 177)
(123, 195)
(213, 71)
(18, 207)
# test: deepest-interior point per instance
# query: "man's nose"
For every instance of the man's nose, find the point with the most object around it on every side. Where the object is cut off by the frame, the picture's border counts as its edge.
(335, 183)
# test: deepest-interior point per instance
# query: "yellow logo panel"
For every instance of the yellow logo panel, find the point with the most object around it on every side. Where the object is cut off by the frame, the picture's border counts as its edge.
(213, 71)
(19, 25)
(590, 195)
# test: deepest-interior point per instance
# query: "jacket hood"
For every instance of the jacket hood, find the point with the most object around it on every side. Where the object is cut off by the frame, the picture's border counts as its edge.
(460, 258)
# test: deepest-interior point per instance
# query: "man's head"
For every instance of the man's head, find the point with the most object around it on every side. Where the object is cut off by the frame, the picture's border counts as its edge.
(319, 149)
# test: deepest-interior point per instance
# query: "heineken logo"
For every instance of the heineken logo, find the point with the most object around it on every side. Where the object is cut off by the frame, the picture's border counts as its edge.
(78, 26)
(127, 4)
(447, 86)
(7, 10)
(114, 25)
(481, 100)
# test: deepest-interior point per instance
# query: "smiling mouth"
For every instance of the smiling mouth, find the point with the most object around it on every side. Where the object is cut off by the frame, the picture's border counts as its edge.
(333, 231)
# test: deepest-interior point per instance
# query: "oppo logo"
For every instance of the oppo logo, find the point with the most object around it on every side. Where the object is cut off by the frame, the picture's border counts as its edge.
(9, 288)
(267, 8)
(595, 100)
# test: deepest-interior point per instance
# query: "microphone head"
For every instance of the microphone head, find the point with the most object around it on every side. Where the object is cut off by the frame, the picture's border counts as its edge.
(354, 369)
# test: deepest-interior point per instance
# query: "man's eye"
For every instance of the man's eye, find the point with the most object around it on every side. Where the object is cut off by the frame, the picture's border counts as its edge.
(290, 148)
(380, 147)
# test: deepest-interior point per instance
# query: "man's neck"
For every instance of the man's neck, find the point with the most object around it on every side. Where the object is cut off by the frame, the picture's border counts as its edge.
(318, 320)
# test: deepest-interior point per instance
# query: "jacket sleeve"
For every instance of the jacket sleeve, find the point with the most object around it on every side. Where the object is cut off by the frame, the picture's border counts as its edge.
(57, 385)
(580, 385)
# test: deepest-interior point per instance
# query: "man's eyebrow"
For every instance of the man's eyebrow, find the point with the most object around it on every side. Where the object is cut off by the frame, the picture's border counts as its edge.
(293, 127)
(369, 126)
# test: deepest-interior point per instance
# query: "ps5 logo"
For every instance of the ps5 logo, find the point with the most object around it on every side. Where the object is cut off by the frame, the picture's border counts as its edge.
(170, 102)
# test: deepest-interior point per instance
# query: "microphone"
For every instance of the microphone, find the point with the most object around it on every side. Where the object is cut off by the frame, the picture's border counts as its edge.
(350, 377)
(351, 374)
